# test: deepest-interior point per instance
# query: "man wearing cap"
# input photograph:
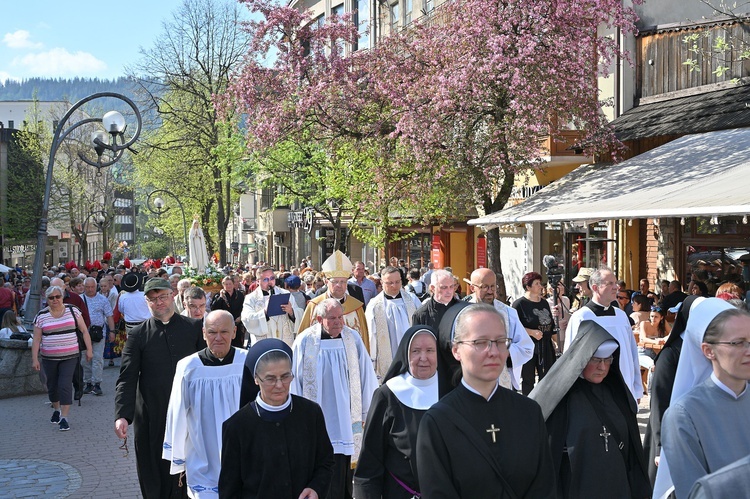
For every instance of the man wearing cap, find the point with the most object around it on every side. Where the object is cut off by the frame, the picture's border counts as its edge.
(255, 311)
(582, 285)
(230, 298)
(483, 284)
(292, 284)
(132, 302)
(337, 269)
(600, 310)
(205, 392)
(388, 317)
(149, 360)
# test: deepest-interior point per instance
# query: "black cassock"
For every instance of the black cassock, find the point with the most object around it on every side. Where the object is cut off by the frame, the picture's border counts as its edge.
(149, 360)
(277, 455)
(456, 455)
(590, 468)
(388, 448)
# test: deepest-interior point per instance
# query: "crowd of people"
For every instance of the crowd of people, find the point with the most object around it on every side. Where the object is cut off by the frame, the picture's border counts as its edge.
(342, 383)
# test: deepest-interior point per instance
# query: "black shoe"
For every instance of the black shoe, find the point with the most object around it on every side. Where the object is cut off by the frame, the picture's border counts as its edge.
(111, 363)
(64, 426)
(88, 388)
(97, 390)
(55, 417)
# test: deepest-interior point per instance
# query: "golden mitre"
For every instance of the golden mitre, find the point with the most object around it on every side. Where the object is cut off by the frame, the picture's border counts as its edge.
(337, 265)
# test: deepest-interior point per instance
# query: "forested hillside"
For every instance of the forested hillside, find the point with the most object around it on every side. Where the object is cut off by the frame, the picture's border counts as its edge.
(53, 89)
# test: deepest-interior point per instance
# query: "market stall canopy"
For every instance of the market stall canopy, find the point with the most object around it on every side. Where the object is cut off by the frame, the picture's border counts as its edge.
(704, 174)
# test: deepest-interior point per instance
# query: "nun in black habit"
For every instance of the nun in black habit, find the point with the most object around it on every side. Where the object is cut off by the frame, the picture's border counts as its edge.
(276, 445)
(665, 370)
(387, 466)
(591, 421)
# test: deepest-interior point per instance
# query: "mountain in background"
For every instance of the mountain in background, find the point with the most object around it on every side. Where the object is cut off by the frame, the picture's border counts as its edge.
(57, 89)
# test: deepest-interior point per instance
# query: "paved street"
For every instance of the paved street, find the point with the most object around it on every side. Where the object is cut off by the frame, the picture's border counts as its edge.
(38, 460)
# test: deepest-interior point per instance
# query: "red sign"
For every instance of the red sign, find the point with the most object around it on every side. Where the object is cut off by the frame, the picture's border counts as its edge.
(436, 250)
(481, 252)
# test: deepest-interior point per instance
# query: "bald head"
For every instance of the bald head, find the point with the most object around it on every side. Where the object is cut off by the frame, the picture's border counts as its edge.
(56, 281)
(483, 285)
(218, 331)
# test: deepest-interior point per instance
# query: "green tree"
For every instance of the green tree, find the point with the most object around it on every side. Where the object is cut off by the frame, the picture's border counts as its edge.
(25, 186)
(188, 65)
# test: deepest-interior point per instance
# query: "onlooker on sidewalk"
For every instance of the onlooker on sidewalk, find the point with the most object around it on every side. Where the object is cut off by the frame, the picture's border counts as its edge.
(100, 313)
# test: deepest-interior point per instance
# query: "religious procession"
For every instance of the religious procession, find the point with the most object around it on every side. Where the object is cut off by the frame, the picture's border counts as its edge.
(345, 383)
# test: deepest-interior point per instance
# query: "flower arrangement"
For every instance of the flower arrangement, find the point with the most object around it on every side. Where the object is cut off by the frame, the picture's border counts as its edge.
(208, 279)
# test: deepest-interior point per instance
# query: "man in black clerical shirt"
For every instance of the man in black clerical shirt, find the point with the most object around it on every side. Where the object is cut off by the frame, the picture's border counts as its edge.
(149, 360)
(443, 291)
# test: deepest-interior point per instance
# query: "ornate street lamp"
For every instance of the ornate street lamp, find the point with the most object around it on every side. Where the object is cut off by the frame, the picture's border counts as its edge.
(101, 221)
(114, 125)
(160, 207)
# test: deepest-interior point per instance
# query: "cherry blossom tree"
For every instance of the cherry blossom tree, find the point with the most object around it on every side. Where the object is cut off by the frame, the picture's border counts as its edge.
(465, 96)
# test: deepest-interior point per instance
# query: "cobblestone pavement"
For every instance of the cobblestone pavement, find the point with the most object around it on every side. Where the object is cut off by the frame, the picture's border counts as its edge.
(38, 460)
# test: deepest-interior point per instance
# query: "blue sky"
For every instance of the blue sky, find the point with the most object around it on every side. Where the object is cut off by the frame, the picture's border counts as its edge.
(69, 38)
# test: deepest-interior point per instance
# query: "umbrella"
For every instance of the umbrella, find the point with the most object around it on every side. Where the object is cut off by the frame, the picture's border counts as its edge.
(4, 268)
(745, 258)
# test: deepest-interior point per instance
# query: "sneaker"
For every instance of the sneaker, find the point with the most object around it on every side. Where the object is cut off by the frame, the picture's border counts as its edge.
(55, 417)
(64, 426)
(88, 388)
(97, 390)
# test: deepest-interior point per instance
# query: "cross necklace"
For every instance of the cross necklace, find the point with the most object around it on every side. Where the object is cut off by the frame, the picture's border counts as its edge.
(492, 430)
(605, 435)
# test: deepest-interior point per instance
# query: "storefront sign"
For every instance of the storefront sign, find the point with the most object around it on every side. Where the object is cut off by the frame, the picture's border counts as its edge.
(435, 253)
(482, 252)
(301, 218)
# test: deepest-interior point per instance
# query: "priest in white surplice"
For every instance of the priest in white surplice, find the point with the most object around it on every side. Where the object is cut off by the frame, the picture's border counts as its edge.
(483, 286)
(600, 310)
(389, 315)
(332, 367)
(205, 392)
(255, 311)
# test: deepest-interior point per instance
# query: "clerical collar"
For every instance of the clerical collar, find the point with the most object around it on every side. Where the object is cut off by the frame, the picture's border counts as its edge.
(726, 389)
(273, 408)
(207, 357)
(325, 336)
(472, 390)
(267, 293)
(387, 297)
(599, 304)
(341, 301)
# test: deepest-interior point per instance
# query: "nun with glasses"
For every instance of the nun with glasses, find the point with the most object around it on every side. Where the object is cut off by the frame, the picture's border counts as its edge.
(591, 421)
(387, 466)
(276, 445)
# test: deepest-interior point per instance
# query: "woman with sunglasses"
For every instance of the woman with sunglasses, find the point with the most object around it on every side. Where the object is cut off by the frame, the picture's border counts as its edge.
(55, 337)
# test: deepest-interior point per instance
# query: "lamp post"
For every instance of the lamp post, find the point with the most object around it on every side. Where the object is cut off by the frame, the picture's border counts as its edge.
(160, 207)
(114, 124)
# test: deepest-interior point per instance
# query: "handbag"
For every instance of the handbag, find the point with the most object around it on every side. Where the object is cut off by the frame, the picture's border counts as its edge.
(79, 334)
(96, 333)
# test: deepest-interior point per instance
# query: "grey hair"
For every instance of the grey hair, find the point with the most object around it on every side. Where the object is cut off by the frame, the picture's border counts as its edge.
(52, 289)
(439, 274)
(715, 328)
(194, 293)
(596, 276)
(470, 311)
(321, 310)
(270, 357)
(89, 279)
(184, 284)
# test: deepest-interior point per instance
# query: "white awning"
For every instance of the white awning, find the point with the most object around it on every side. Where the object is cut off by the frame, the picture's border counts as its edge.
(697, 175)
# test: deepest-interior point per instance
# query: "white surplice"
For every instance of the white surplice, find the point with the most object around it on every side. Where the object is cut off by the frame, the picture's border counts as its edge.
(202, 398)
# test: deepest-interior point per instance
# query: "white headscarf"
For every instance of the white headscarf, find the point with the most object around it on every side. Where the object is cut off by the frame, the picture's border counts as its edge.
(692, 370)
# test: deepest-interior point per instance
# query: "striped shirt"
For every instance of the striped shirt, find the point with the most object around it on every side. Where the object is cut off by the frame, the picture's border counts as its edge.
(59, 339)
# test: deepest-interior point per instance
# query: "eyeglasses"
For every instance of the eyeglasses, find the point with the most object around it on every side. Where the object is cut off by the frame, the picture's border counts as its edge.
(272, 380)
(159, 298)
(484, 287)
(486, 345)
(599, 360)
(737, 344)
(622, 298)
(54, 297)
(268, 279)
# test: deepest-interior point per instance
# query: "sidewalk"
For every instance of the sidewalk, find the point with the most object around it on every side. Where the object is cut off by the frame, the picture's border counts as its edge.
(38, 460)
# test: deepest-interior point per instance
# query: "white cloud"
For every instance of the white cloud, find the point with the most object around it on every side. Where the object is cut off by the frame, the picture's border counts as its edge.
(20, 40)
(4, 76)
(58, 62)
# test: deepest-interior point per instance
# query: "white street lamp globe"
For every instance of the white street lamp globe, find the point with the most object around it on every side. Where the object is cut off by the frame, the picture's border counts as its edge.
(113, 122)
(101, 135)
(159, 203)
